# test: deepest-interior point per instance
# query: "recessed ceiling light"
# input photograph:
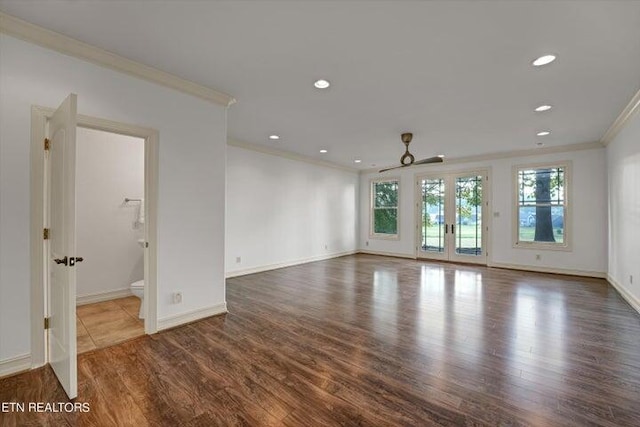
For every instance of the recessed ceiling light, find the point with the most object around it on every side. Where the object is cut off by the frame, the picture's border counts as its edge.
(323, 151)
(357, 161)
(543, 108)
(322, 84)
(544, 60)
(441, 156)
(274, 137)
(543, 133)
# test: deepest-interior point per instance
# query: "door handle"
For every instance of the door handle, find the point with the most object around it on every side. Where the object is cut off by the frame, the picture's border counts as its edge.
(446, 228)
(453, 229)
(69, 261)
(73, 261)
(61, 261)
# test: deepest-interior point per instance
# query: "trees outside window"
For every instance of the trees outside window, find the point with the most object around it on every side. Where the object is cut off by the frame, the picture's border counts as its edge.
(384, 208)
(542, 206)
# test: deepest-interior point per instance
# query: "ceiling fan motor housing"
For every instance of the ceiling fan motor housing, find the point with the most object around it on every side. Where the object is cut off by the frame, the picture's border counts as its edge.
(406, 139)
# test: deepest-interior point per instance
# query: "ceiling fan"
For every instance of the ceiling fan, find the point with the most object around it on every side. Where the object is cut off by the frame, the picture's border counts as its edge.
(407, 158)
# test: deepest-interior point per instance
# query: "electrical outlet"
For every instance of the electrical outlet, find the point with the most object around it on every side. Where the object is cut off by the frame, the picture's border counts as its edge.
(631, 278)
(538, 257)
(177, 297)
(238, 260)
(366, 243)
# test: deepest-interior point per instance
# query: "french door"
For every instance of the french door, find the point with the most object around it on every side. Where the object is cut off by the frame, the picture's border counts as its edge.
(452, 216)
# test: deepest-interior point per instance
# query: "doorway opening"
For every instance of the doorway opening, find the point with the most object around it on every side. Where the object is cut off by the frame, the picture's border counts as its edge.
(55, 257)
(110, 237)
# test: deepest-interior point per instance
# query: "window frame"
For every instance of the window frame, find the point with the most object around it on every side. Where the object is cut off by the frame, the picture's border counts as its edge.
(566, 244)
(383, 236)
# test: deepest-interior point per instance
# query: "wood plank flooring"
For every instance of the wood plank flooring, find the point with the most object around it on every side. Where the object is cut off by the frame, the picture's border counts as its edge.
(376, 341)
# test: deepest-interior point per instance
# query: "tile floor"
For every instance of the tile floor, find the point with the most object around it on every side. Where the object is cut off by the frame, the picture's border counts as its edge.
(106, 323)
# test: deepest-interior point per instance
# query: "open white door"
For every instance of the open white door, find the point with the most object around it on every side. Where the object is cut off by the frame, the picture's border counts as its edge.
(62, 245)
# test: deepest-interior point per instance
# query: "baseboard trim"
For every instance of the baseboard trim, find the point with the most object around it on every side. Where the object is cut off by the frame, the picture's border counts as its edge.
(624, 293)
(390, 254)
(103, 296)
(269, 267)
(552, 270)
(15, 365)
(191, 316)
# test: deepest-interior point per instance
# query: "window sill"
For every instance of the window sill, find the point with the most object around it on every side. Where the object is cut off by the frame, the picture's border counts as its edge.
(562, 247)
(384, 236)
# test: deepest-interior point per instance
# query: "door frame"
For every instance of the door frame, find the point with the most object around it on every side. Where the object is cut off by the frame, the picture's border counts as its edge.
(39, 283)
(486, 211)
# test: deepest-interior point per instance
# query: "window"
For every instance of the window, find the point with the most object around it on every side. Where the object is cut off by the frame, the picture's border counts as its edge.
(541, 211)
(384, 208)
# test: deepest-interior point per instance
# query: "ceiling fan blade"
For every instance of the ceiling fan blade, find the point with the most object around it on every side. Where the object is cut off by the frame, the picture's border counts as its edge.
(429, 160)
(419, 162)
(395, 167)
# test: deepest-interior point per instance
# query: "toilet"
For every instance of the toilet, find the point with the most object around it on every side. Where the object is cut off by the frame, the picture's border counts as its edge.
(137, 288)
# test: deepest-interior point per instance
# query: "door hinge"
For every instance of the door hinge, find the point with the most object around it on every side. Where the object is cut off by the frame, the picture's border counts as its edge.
(47, 144)
(45, 234)
(46, 322)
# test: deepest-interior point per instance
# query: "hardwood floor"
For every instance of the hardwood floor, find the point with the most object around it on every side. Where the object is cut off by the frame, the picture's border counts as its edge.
(106, 323)
(369, 340)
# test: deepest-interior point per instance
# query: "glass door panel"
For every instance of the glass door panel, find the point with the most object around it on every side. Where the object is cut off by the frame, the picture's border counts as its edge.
(450, 210)
(468, 222)
(433, 220)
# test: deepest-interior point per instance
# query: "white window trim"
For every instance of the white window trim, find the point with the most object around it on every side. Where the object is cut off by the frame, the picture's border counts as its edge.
(566, 245)
(381, 236)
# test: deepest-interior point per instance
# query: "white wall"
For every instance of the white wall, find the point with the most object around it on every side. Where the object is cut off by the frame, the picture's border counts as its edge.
(589, 219)
(282, 211)
(191, 199)
(623, 166)
(109, 167)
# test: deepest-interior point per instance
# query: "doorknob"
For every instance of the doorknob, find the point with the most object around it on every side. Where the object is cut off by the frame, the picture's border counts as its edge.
(79, 259)
(61, 261)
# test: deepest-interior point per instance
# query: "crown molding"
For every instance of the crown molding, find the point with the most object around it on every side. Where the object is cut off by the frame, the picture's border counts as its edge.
(26, 31)
(287, 155)
(620, 122)
(511, 154)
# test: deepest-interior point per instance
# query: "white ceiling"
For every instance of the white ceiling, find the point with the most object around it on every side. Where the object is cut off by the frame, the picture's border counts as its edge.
(456, 74)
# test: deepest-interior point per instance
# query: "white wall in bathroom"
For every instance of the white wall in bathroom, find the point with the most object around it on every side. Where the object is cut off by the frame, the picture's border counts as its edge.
(110, 167)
